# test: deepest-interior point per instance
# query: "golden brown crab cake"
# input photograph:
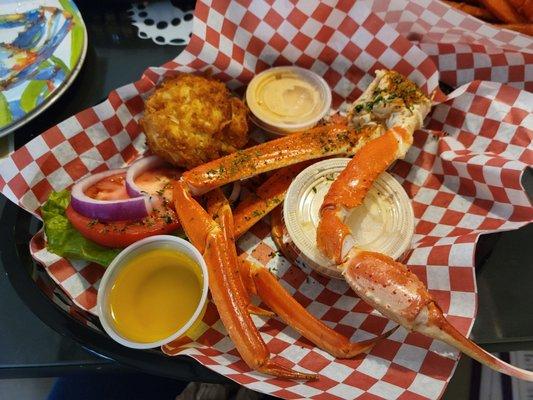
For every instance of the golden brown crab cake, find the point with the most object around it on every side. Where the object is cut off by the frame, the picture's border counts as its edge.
(192, 119)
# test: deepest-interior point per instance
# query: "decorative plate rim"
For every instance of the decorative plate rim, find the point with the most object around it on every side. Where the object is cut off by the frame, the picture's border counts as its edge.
(56, 94)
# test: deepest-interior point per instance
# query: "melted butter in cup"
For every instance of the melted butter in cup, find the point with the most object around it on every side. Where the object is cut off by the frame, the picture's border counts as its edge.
(383, 223)
(154, 292)
(287, 99)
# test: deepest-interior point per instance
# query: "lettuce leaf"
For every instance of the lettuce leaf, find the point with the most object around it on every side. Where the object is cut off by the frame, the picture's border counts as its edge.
(65, 241)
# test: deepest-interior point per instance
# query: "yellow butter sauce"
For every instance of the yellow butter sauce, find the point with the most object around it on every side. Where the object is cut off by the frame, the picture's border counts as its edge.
(155, 294)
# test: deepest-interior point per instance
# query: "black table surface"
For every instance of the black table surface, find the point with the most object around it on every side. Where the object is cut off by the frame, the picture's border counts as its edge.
(116, 56)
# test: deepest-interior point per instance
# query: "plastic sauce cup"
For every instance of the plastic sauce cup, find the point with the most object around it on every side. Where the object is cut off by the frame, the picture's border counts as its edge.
(288, 99)
(121, 262)
(383, 223)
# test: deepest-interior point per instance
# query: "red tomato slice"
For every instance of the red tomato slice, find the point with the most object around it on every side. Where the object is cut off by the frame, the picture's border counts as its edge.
(158, 181)
(124, 233)
(110, 188)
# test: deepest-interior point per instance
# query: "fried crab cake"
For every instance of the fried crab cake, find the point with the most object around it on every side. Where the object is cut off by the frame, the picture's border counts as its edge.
(192, 119)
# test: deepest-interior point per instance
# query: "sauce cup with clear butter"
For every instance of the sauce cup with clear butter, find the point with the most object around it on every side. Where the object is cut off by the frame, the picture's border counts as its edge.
(153, 292)
(384, 222)
(287, 99)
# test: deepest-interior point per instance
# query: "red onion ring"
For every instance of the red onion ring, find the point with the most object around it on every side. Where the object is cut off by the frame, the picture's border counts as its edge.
(137, 168)
(107, 210)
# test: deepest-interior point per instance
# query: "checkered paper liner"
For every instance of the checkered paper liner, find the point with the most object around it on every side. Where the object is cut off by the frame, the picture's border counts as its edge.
(462, 173)
(464, 48)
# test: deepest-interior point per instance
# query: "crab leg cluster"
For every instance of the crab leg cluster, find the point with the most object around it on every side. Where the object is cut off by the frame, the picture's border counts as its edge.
(214, 240)
(232, 281)
(383, 283)
(379, 130)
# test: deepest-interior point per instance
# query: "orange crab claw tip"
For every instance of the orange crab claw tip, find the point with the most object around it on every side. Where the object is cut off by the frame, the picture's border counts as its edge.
(253, 309)
(366, 345)
(273, 368)
(389, 332)
(375, 277)
(383, 335)
(447, 333)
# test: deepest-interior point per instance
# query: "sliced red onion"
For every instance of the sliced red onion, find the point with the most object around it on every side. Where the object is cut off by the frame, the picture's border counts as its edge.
(137, 168)
(108, 210)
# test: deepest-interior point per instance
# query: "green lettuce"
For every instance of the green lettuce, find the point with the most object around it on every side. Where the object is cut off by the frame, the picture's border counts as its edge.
(65, 241)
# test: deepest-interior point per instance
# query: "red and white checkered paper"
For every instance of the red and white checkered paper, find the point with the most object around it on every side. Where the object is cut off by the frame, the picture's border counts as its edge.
(462, 173)
(464, 48)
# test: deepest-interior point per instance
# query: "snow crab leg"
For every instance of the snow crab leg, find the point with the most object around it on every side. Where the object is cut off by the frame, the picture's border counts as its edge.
(262, 283)
(322, 141)
(383, 283)
(226, 286)
(265, 198)
(259, 281)
(212, 233)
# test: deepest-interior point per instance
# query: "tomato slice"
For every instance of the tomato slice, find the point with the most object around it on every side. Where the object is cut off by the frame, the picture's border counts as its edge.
(124, 233)
(158, 181)
(111, 188)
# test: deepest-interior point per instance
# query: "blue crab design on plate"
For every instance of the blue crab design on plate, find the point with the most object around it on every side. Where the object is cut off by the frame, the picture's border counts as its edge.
(42, 46)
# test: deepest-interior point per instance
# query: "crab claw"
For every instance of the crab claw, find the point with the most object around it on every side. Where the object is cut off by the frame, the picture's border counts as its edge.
(399, 107)
(397, 293)
(228, 292)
